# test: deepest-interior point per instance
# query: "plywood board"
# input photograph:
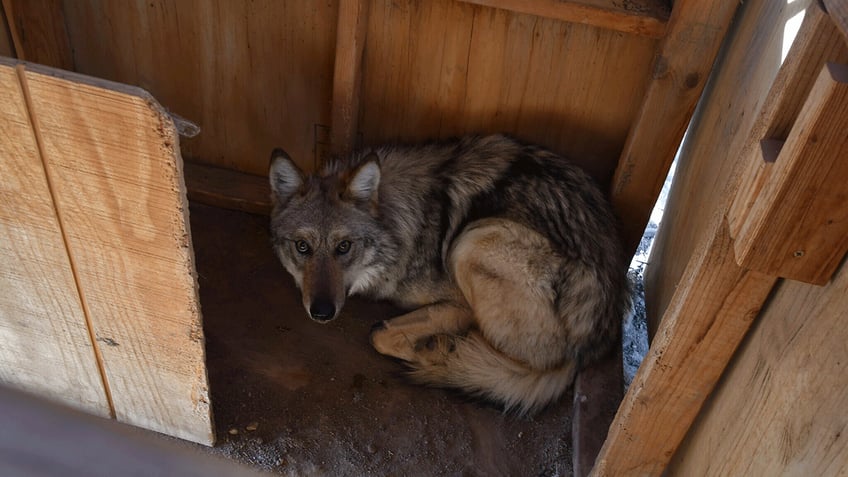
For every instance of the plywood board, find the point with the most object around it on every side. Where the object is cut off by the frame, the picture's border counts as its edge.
(780, 408)
(46, 348)
(444, 68)
(113, 156)
(253, 75)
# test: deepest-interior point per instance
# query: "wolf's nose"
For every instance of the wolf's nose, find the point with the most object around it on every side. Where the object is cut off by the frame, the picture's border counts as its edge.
(322, 310)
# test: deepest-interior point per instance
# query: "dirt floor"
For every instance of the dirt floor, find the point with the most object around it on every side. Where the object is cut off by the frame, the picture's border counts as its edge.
(296, 397)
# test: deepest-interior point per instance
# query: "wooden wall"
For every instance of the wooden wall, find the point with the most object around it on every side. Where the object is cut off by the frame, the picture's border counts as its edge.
(254, 75)
(779, 408)
(704, 181)
(442, 68)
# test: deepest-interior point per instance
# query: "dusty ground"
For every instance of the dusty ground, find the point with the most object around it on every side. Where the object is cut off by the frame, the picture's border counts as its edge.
(321, 400)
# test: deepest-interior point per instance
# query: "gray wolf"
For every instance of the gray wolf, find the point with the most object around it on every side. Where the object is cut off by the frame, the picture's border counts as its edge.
(506, 254)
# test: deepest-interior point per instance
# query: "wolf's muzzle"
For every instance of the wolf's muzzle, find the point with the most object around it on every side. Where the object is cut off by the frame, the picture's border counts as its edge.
(322, 310)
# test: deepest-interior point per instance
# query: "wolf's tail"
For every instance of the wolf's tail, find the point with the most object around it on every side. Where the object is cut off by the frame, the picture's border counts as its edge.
(478, 369)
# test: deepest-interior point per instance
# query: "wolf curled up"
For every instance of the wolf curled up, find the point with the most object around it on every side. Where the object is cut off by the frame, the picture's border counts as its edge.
(506, 254)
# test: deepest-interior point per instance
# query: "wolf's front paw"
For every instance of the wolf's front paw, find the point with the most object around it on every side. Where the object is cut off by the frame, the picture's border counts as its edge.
(390, 341)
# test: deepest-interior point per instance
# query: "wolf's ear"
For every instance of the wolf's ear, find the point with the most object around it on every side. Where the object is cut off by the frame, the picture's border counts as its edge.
(365, 181)
(284, 175)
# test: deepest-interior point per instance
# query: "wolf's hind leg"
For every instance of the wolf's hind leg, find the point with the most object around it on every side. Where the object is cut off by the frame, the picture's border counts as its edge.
(520, 350)
(507, 273)
(422, 332)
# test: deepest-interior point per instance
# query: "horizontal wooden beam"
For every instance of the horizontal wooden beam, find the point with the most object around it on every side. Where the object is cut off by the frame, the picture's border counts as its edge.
(227, 188)
(642, 17)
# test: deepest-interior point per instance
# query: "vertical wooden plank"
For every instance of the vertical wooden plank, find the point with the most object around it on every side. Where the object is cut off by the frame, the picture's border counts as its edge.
(780, 407)
(838, 12)
(681, 66)
(7, 47)
(803, 196)
(253, 75)
(113, 157)
(46, 348)
(39, 33)
(709, 315)
(347, 76)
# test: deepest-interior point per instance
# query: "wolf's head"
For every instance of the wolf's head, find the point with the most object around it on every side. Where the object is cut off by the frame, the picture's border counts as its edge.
(325, 230)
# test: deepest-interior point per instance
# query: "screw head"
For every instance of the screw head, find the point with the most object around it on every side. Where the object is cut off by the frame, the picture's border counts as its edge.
(798, 254)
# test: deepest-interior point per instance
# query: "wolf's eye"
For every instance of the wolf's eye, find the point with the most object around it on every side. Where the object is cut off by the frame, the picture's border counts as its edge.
(302, 247)
(343, 247)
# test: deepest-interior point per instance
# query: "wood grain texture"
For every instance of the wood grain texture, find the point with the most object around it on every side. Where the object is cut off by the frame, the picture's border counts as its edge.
(7, 47)
(46, 348)
(228, 189)
(253, 75)
(347, 75)
(645, 17)
(681, 66)
(780, 407)
(736, 113)
(794, 222)
(728, 125)
(112, 154)
(445, 68)
(38, 32)
(838, 12)
(256, 75)
(709, 315)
